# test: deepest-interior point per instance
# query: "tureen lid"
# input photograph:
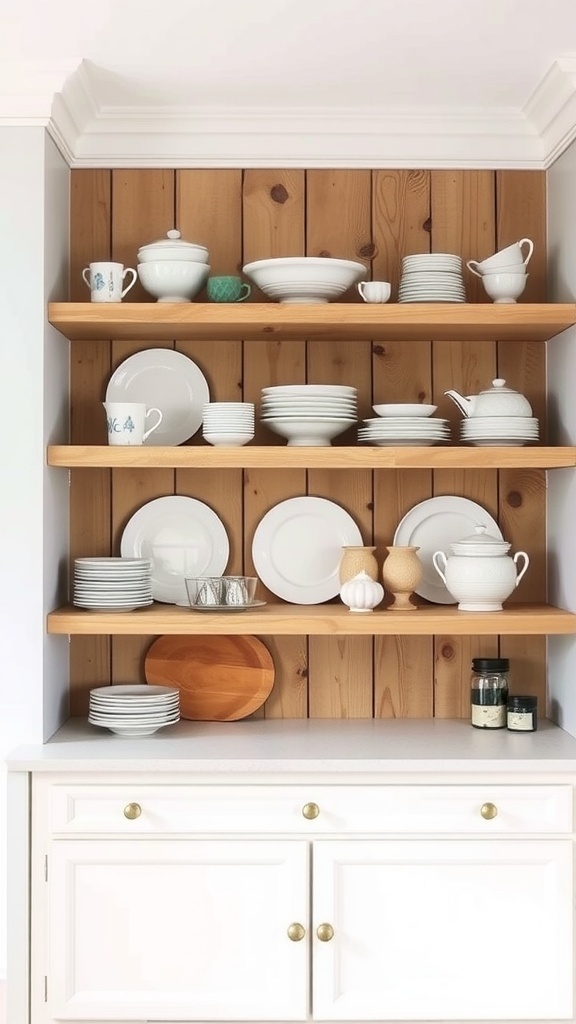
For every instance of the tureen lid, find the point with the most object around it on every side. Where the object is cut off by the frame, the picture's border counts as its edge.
(172, 238)
(480, 543)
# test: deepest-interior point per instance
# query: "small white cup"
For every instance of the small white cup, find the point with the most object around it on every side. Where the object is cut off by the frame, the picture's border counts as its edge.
(504, 287)
(512, 254)
(374, 291)
(126, 422)
(105, 281)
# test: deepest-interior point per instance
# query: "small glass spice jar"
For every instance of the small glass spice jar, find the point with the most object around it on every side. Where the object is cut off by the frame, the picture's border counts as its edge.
(522, 714)
(489, 693)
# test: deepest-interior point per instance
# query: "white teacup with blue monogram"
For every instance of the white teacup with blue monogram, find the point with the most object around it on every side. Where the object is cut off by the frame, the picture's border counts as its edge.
(126, 422)
(106, 281)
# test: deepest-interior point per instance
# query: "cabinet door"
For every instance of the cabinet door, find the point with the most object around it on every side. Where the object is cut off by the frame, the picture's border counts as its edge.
(176, 930)
(459, 930)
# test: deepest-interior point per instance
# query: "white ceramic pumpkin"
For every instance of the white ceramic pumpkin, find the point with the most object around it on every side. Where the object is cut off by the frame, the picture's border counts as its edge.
(361, 593)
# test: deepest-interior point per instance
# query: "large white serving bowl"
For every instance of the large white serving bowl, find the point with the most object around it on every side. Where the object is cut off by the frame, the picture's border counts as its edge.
(303, 432)
(173, 280)
(306, 279)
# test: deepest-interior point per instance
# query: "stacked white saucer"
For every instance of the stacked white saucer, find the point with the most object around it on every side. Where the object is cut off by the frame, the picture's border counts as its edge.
(309, 414)
(134, 709)
(496, 431)
(112, 584)
(407, 431)
(229, 424)
(432, 277)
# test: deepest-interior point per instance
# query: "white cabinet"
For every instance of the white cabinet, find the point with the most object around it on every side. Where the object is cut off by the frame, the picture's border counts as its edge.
(455, 907)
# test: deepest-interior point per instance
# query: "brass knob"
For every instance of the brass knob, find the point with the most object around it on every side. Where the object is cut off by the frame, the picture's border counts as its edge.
(325, 932)
(296, 932)
(132, 811)
(488, 811)
(310, 811)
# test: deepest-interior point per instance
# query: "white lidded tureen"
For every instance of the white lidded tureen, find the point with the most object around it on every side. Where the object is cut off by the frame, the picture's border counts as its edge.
(480, 574)
(497, 400)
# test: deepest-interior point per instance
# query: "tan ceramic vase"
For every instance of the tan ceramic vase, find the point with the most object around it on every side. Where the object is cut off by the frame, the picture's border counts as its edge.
(357, 559)
(401, 573)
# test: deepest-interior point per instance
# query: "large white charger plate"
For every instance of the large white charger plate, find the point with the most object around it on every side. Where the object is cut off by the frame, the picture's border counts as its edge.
(297, 548)
(183, 537)
(168, 380)
(433, 525)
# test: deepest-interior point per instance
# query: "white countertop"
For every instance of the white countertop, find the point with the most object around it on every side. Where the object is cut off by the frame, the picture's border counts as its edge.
(262, 746)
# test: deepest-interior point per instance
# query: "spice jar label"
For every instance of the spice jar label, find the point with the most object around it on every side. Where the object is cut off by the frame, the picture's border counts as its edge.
(489, 716)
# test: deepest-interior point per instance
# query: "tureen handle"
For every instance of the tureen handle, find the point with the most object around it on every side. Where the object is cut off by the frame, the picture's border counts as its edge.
(521, 554)
(439, 556)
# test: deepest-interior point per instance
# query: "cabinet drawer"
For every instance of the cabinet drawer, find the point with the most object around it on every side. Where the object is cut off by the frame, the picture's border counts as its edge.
(144, 808)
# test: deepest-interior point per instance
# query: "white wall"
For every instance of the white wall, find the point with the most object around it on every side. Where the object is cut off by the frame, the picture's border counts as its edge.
(561, 368)
(34, 232)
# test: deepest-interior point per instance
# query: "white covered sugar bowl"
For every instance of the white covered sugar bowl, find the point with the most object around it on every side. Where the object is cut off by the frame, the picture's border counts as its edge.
(480, 574)
(361, 593)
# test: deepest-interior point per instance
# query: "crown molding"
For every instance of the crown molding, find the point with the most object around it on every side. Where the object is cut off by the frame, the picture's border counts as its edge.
(65, 98)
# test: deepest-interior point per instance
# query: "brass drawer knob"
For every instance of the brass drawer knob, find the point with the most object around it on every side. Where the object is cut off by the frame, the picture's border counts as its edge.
(132, 811)
(488, 811)
(296, 932)
(310, 811)
(325, 932)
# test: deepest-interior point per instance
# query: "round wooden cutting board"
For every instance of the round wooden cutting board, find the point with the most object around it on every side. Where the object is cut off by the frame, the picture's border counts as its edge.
(220, 678)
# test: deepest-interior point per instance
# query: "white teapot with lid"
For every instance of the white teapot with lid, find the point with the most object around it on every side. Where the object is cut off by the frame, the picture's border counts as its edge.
(479, 573)
(497, 400)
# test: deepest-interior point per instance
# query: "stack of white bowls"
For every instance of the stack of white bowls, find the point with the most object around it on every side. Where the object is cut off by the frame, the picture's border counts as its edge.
(228, 424)
(112, 584)
(309, 414)
(134, 709)
(173, 270)
(504, 274)
(432, 277)
(496, 431)
(406, 424)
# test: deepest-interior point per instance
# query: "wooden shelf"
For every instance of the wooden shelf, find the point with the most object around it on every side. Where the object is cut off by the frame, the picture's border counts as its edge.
(153, 321)
(316, 620)
(285, 457)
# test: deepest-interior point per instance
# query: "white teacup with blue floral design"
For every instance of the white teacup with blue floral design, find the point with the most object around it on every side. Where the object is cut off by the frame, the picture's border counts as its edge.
(106, 281)
(126, 422)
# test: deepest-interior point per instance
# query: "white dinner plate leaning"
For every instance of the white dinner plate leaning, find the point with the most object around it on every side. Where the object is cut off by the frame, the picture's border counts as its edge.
(433, 525)
(297, 548)
(168, 380)
(182, 537)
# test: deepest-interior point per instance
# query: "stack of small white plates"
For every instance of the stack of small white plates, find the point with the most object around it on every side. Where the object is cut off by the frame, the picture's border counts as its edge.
(432, 277)
(411, 431)
(228, 423)
(112, 584)
(134, 709)
(309, 414)
(496, 431)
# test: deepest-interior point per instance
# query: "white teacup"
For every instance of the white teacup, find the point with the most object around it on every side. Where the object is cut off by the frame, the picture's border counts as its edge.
(374, 291)
(504, 287)
(105, 281)
(512, 254)
(126, 422)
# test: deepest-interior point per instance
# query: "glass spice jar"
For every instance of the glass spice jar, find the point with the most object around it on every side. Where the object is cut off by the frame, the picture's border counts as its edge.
(522, 714)
(489, 693)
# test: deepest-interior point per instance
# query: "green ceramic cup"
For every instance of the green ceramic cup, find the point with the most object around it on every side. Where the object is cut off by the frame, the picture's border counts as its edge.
(227, 289)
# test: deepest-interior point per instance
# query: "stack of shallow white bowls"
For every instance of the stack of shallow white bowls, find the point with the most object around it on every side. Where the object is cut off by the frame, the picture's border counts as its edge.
(309, 414)
(405, 424)
(112, 584)
(134, 709)
(495, 431)
(432, 277)
(229, 424)
(173, 270)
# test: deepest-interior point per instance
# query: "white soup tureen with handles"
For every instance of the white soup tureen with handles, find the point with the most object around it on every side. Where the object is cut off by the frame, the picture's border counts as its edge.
(480, 574)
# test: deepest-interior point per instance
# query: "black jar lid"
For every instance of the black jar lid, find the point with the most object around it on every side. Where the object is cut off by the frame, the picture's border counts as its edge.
(519, 703)
(490, 664)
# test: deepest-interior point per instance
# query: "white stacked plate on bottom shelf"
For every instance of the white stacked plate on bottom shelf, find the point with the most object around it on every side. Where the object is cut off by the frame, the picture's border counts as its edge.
(134, 709)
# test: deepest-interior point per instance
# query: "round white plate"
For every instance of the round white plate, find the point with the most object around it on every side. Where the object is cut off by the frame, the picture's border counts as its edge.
(168, 380)
(183, 537)
(433, 525)
(297, 548)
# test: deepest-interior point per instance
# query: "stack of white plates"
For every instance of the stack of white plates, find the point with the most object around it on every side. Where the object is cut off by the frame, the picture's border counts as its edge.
(411, 431)
(432, 277)
(134, 709)
(309, 414)
(112, 584)
(495, 431)
(228, 423)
